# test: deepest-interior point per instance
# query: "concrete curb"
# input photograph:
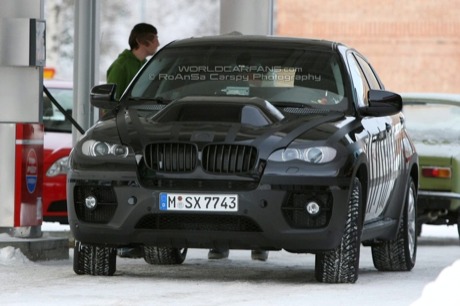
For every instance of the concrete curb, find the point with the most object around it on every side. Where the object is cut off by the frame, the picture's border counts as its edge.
(51, 246)
(39, 249)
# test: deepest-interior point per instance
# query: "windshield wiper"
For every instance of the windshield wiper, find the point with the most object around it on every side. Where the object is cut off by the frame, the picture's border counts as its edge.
(301, 108)
(291, 104)
(158, 100)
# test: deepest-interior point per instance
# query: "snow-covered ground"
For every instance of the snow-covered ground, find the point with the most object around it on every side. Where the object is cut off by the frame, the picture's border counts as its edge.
(442, 290)
(285, 279)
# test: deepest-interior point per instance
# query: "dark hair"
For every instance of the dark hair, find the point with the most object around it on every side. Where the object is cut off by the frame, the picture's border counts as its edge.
(141, 33)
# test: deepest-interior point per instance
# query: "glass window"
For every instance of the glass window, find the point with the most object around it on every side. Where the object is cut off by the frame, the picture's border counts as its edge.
(369, 73)
(278, 75)
(53, 118)
(443, 131)
(359, 81)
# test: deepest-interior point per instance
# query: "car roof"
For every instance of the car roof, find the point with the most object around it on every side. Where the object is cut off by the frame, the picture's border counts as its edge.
(430, 97)
(238, 39)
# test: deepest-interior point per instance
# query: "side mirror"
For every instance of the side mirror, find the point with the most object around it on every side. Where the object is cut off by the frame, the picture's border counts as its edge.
(381, 103)
(103, 96)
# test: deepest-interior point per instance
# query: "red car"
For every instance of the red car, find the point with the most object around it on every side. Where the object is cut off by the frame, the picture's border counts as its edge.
(57, 146)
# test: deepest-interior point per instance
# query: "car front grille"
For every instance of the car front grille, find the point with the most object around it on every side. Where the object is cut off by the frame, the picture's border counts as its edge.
(171, 157)
(216, 158)
(229, 158)
(202, 222)
(196, 184)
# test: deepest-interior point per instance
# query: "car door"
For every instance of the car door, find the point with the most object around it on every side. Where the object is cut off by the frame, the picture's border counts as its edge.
(381, 136)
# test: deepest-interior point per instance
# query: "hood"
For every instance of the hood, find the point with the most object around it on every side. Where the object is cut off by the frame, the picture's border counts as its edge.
(229, 120)
(252, 112)
(104, 130)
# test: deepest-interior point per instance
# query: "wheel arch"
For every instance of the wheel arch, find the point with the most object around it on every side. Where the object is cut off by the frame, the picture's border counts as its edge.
(414, 173)
(363, 175)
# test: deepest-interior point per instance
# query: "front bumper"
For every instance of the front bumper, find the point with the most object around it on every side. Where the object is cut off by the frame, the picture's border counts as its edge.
(271, 216)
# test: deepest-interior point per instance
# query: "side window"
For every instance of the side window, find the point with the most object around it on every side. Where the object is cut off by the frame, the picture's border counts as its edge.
(369, 73)
(359, 81)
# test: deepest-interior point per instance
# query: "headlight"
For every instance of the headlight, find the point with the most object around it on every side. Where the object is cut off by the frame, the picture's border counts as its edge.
(314, 155)
(61, 166)
(101, 148)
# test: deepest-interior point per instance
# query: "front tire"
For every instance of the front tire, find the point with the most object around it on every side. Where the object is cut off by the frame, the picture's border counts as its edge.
(400, 254)
(341, 265)
(164, 256)
(94, 260)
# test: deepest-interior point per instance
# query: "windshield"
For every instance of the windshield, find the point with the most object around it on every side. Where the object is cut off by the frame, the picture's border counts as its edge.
(53, 119)
(293, 77)
(433, 123)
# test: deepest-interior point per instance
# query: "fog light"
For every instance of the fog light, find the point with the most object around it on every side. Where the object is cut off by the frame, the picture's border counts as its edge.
(312, 208)
(90, 202)
(132, 200)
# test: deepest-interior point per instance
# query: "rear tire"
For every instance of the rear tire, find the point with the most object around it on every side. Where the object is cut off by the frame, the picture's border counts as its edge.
(164, 256)
(341, 265)
(94, 260)
(400, 254)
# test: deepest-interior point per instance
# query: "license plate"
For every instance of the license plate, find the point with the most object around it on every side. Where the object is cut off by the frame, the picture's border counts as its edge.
(199, 202)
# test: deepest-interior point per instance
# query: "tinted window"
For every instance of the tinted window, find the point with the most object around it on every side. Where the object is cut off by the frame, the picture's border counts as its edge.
(359, 81)
(369, 73)
(278, 75)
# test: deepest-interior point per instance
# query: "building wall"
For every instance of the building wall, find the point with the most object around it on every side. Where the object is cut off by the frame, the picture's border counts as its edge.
(414, 45)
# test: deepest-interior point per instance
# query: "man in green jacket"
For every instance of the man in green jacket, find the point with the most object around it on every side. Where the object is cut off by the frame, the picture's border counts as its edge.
(143, 42)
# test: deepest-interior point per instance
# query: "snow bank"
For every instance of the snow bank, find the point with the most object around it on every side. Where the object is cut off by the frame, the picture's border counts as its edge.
(442, 291)
(12, 256)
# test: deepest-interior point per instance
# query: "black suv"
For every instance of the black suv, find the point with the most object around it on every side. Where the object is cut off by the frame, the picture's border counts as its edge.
(247, 142)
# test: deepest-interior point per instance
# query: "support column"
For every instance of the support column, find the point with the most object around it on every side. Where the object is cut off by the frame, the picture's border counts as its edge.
(22, 57)
(248, 17)
(86, 64)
